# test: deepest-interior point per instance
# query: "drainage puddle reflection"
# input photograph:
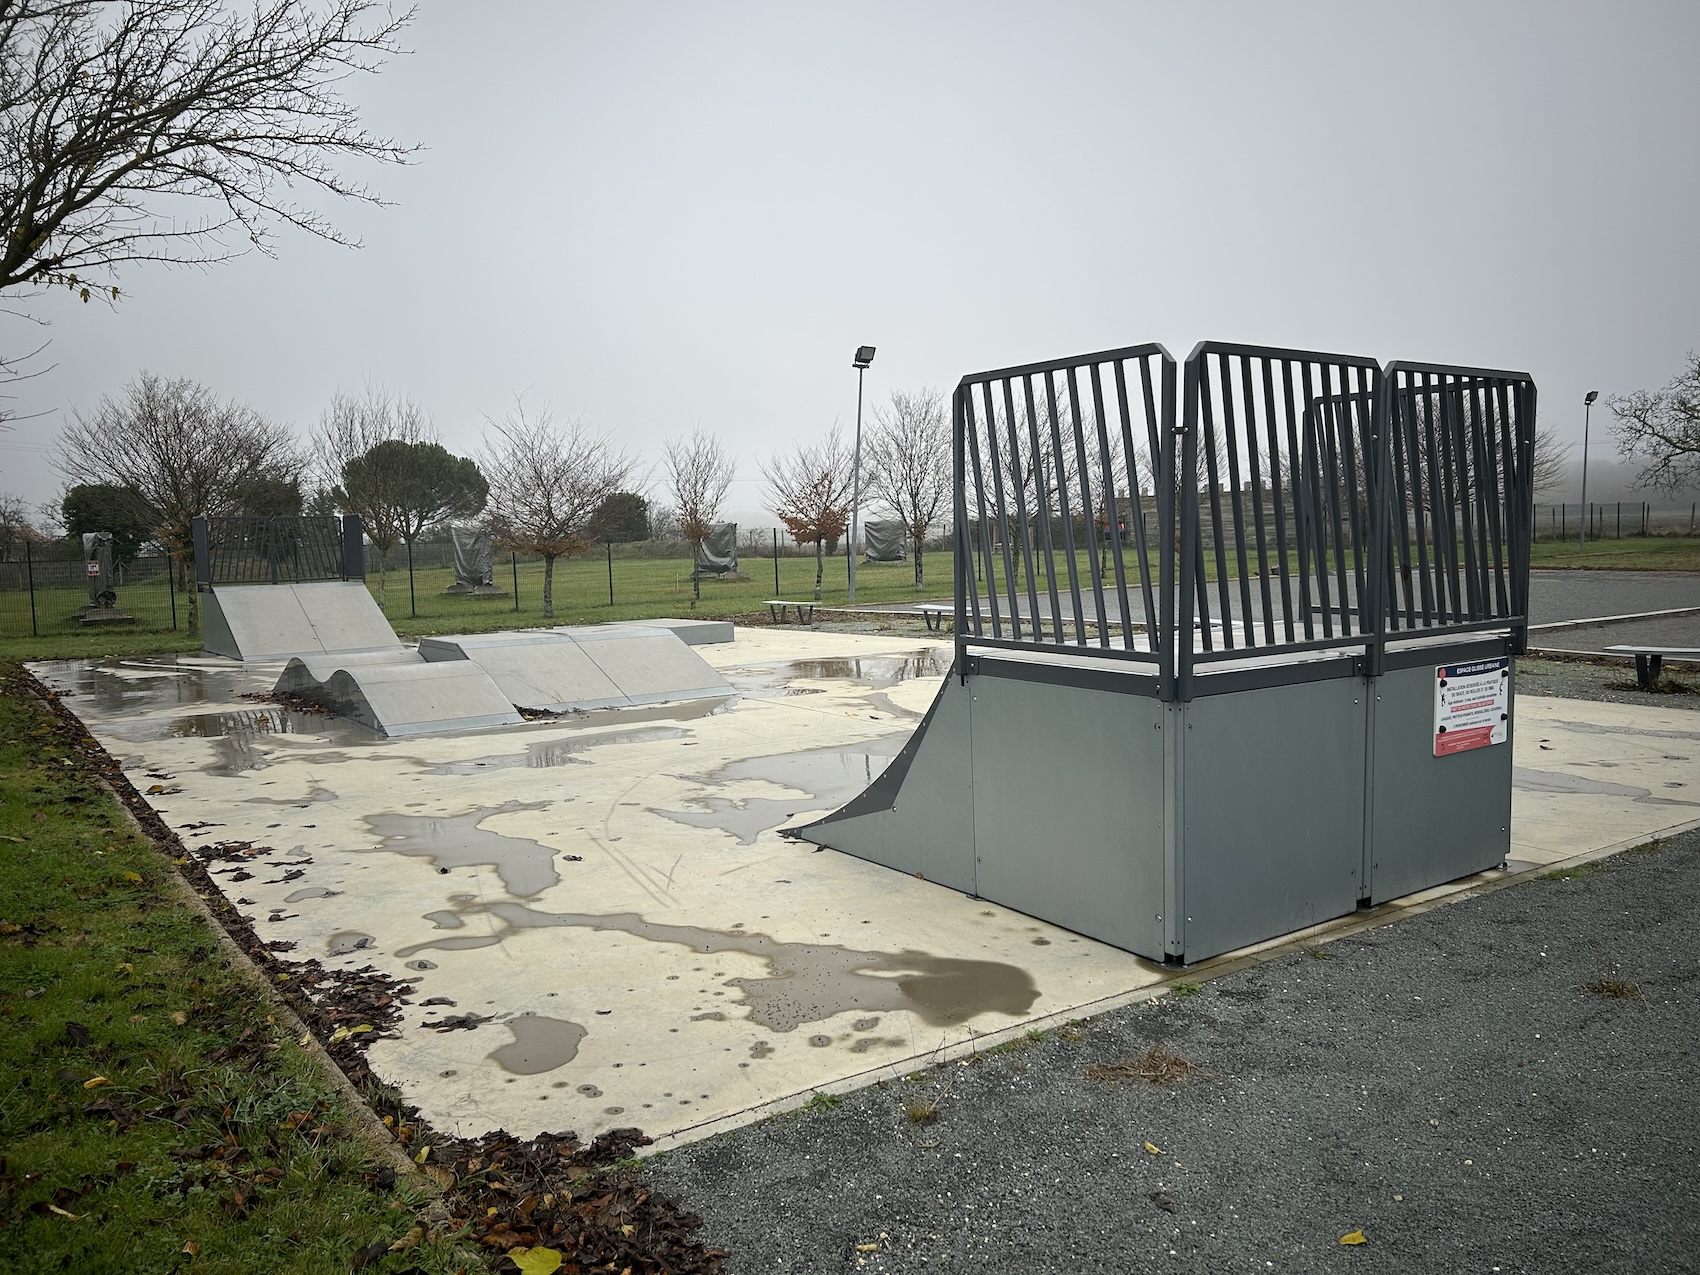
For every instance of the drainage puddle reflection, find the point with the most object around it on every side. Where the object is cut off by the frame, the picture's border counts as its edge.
(556, 752)
(807, 982)
(828, 777)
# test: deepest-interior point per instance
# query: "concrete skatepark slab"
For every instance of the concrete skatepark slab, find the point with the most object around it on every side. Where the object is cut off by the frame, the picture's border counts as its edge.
(691, 968)
(276, 621)
(401, 697)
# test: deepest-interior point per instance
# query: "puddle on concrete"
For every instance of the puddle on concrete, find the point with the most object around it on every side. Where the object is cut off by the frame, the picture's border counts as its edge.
(344, 942)
(311, 892)
(556, 752)
(315, 792)
(540, 1044)
(1557, 781)
(876, 671)
(807, 982)
(526, 867)
(828, 777)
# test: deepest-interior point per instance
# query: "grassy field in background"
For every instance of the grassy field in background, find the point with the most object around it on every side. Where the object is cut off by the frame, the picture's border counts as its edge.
(1653, 553)
(154, 1115)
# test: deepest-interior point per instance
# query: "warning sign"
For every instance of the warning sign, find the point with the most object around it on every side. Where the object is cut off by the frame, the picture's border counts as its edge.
(1472, 704)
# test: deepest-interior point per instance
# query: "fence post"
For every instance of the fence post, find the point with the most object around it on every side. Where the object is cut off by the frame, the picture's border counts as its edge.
(776, 592)
(171, 591)
(610, 573)
(514, 556)
(29, 567)
(412, 602)
(1619, 535)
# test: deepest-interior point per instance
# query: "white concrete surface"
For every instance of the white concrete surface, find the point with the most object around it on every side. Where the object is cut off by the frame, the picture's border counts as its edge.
(613, 894)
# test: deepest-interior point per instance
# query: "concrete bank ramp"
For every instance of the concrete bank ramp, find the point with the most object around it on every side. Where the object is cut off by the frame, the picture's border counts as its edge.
(400, 696)
(583, 668)
(277, 621)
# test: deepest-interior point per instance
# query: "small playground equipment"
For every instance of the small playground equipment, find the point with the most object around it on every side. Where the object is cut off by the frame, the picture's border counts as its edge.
(1233, 657)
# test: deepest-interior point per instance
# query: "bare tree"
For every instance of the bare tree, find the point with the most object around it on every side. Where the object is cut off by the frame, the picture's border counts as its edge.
(546, 483)
(1552, 461)
(699, 472)
(811, 493)
(16, 527)
(1662, 429)
(350, 429)
(180, 449)
(909, 463)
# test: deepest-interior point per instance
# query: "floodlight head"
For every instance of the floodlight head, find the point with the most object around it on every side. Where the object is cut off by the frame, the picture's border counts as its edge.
(864, 355)
(1592, 395)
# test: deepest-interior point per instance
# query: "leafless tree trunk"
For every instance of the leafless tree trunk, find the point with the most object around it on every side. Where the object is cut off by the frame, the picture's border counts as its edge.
(180, 449)
(1662, 428)
(811, 494)
(699, 473)
(547, 481)
(350, 428)
(909, 463)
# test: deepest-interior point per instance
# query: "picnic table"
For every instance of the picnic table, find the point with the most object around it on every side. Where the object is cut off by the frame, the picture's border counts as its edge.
(778, 608)
(1649, 660)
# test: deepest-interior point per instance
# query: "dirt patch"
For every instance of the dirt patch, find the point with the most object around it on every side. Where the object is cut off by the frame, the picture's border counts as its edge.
(1156, 1066)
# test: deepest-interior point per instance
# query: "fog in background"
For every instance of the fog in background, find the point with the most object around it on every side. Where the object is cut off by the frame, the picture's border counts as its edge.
(658, 215)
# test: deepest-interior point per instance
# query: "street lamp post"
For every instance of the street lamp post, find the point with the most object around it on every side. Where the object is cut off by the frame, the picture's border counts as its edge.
(864, 356)
(1587, 409)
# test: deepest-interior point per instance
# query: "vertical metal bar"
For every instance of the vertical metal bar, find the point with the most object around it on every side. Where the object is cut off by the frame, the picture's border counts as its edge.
(971, 437)
(412, 600)
(1248, 396)
(1440, 506)
(1354, 463)
(1272, 421)
(29, 569)
(609, 545)
(1398, 498)
(1495, 481)
(776, 592)
(1378, 471)
(963, 567)
(202, 542)
(1297, 480)
(1019, 484)
(171, 591)
(1230, 436)
(1113, 517)
(1002, 507)
(1185, 487)
(513, 557)
(1088, 507)
(1207, 436)
(1135, 499)
(1040, 473)
(1164, 641)
(1452, 414)
(1331, 427)
(1058, 454)
(1315, 515)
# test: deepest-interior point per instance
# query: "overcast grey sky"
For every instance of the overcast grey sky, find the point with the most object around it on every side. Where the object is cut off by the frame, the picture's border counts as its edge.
(651, 215)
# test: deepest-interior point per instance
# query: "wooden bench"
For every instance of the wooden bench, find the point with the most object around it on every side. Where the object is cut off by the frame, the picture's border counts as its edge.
(935, 615)
(1649, 660)
(777, 609)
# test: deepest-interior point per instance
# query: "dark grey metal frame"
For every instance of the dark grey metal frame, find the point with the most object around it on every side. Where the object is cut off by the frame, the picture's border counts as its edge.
(263, 550)
(1342, 506)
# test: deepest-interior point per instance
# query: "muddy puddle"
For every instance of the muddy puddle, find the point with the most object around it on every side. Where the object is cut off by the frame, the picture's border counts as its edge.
(1557, 781)
(540, 1044)
(557, 752)
(827, 778)
(805, 982)
(526, 867)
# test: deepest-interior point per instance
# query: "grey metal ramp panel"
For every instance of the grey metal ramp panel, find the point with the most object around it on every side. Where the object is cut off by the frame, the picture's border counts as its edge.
(260, 622)
(303, 672)
(1432, 819)
(690, 632)
(1273, 794)
(413, 699)
(1068, 791)
(534, 670)
(345, 616)
(650, 665)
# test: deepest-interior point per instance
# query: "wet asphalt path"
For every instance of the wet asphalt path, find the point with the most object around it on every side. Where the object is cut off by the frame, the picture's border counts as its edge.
(1443, 1083)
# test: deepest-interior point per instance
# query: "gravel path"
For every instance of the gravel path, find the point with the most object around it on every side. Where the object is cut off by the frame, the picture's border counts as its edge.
(1614, 683)
(1444, 1083)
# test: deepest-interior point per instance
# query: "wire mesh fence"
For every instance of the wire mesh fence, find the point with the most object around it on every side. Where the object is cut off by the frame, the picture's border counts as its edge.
(45, 590)
(1615, 520)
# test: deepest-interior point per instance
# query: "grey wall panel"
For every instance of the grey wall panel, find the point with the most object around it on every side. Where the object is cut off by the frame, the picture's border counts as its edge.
(1274, 801)
(1433, 819)
(1068, 807)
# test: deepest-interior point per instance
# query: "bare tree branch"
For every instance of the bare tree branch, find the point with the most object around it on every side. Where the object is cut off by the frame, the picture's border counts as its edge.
(699, 473)
(811, 493)
(909, 463)
(1662, 429)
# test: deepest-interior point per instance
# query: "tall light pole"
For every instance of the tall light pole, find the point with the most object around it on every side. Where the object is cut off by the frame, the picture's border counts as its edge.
(864, 356)
(1587, 409)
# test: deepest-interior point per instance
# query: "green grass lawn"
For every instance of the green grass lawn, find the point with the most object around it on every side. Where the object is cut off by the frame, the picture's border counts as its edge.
(154, 1114)
(1652, 553)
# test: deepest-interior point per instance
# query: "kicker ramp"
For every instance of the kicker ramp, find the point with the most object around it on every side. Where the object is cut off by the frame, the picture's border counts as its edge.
(400, 696)
(277, 621)
(583, 668)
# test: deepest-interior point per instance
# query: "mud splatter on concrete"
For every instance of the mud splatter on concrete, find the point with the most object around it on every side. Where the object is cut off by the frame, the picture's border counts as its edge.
(311, 892)
(344, 942)
(807, 982)
(1557, 781)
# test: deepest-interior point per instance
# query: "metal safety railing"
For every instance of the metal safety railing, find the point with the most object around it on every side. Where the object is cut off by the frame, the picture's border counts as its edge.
(1291, 501)
(285, 550)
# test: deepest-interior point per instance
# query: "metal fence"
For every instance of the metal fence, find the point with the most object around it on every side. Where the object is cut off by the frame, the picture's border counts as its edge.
(1290, 501)
(1615, 520)
(44, 590)
(258, 550)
